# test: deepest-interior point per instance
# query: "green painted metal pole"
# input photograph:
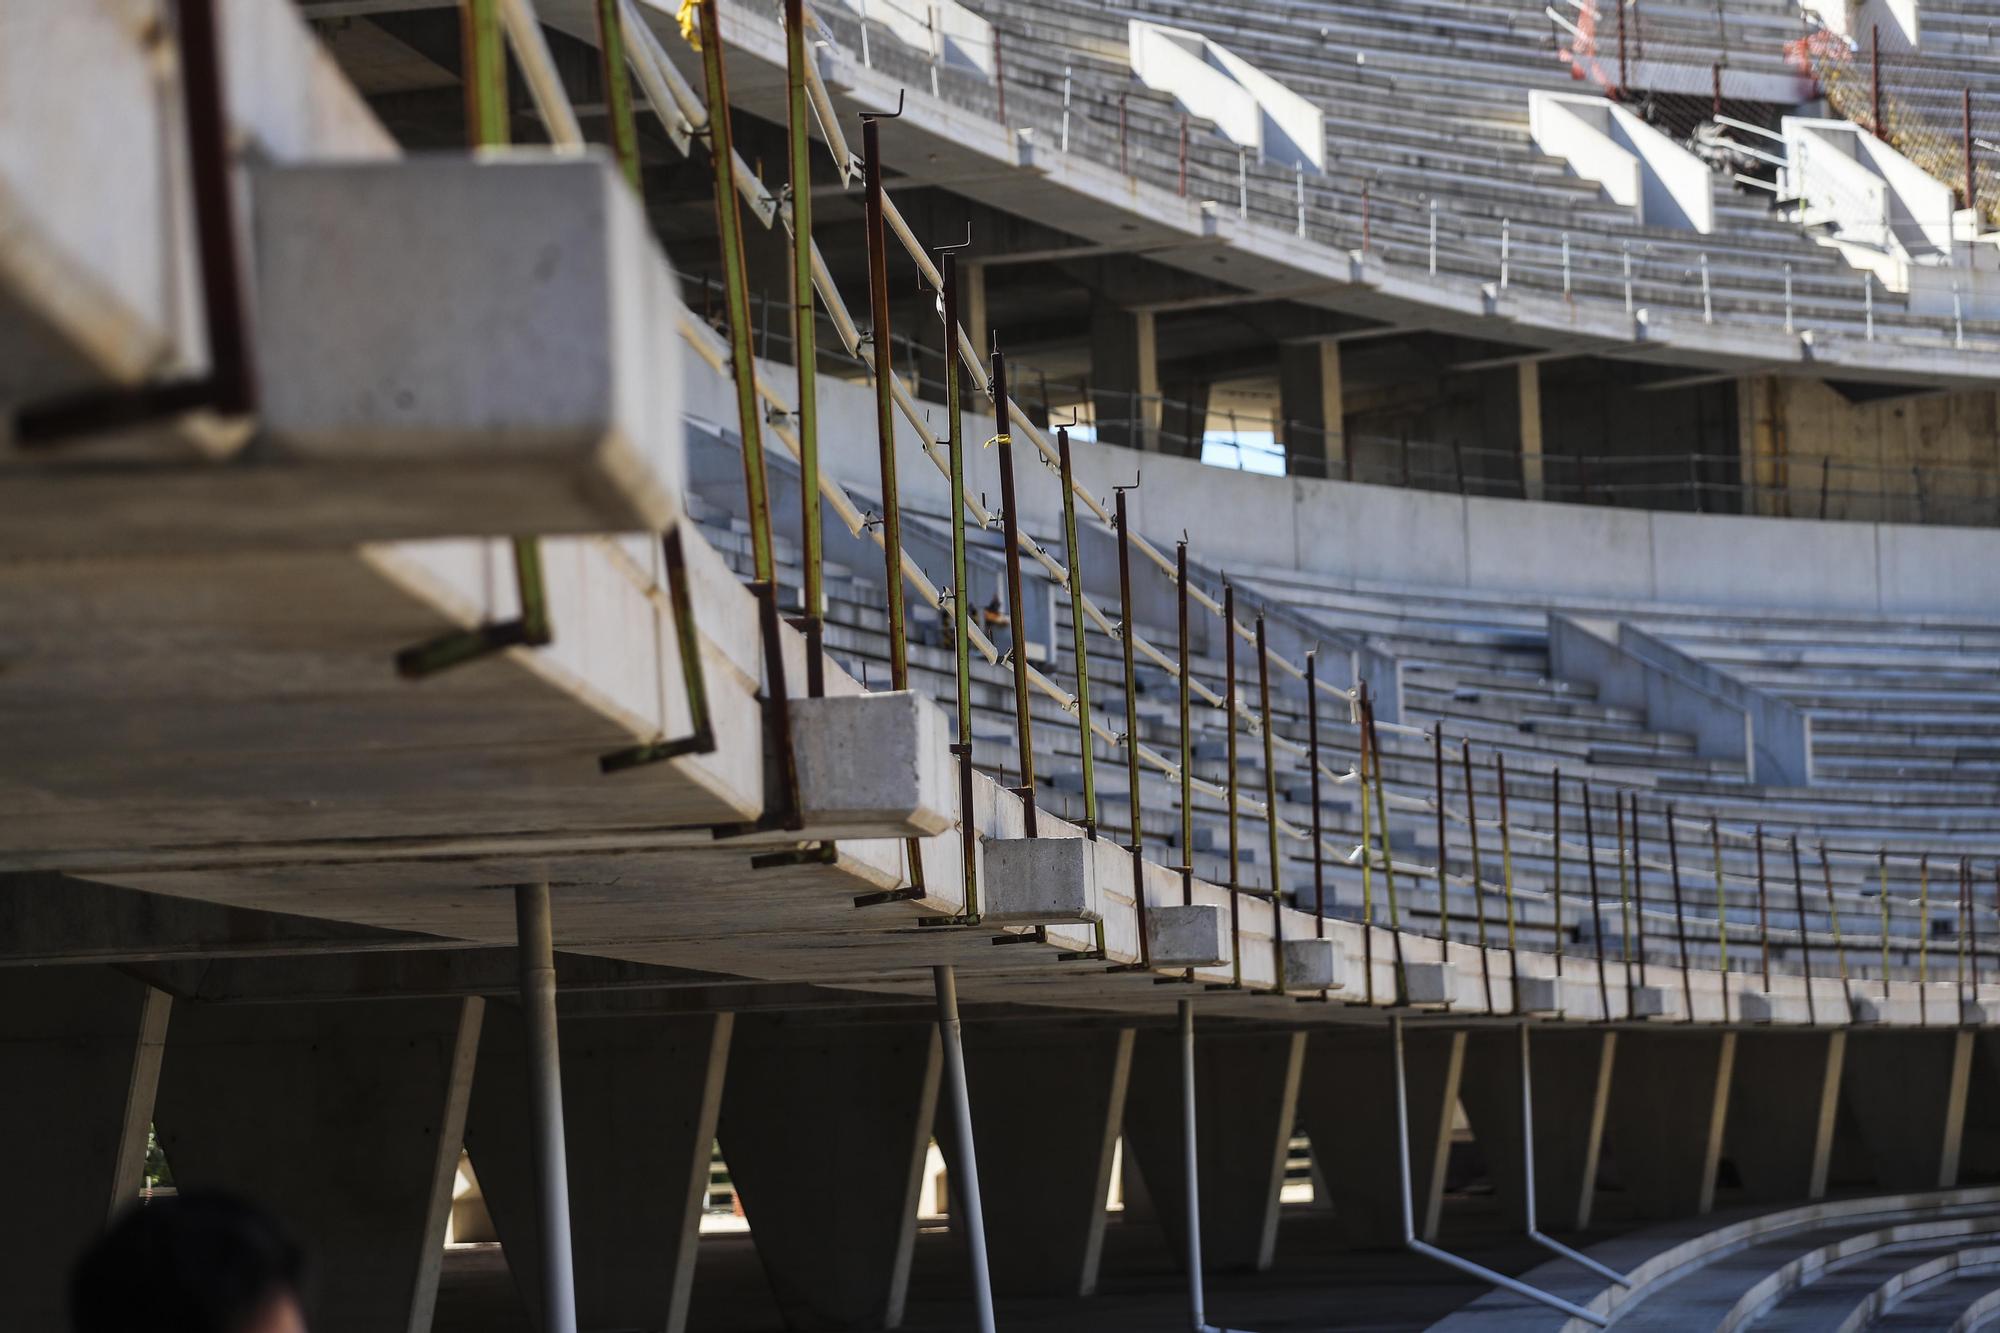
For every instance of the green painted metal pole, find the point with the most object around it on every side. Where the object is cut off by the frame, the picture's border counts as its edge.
(736, 298)
(618, 90)
(1079, 646)
(961, 611)
(805, 333)
(1271, 811)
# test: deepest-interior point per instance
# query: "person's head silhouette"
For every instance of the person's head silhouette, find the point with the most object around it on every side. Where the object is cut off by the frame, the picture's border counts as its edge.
(197, 1263)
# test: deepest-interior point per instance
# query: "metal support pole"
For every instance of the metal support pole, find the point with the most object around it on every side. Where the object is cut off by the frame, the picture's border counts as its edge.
(1556, 851)
(1187, 731)
(1971, 174)
(1839, 944)
(1374, 756)
(1271, 812)
(961, 607)
(1624, 902)
(1805, 935)
(1017, 611)
(1680, 911)
(1444, 885)
(535, 944)
(1596, 903)
(618, 89)
(1478, 891)
(1079, 645)
(805, 351)
(1763, 913)
(1528, 1162)
(1875, 78)
(966, 1186)
(1229, 716)
(1191, 1169)
(1128, 631)
(1721, 911)
(729, 229)
(1312, 779)
(1429, 1251)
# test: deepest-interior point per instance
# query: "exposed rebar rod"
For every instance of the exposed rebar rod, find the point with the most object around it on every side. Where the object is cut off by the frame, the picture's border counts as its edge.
(966, 1186)
(618, 90)
(1367, 853)
(1312, 779)
(535, 945)
(1722, 914)
(1444, 887)
(1624, 903)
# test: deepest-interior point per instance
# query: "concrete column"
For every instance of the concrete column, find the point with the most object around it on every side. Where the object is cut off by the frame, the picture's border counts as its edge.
(1669, 1103)
(1046, 1108)
(79, 1060)
(641, 1096)
(346, 1120)
(1313, 407)
(1348, 1110)
(972, 309)
(1572, 1092)
(1531, 429)
(1246, 1102)
(825, 1127)
(1904, 1094)
(1785, 1093)
(1124, 376)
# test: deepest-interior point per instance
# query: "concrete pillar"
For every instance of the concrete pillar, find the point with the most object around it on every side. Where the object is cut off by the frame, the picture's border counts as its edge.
(1124, 376)
(346, 1120)
(1312, 405)
(79, 1060)
(1572, 1091)
(1669, 1103)
(972, 310)
(1246, 1102)
(1348, 1110)
(825, 1127)
(1531, 429)
(1904, 1094)
(641, 1095)
(1046, 1109)
(1785, 1093)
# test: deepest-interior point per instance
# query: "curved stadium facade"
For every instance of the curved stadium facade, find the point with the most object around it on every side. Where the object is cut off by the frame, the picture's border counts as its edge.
(1289, 667)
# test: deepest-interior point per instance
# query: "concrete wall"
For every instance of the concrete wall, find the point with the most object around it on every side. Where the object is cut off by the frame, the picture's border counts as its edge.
(1349, 533)
(1792, 428)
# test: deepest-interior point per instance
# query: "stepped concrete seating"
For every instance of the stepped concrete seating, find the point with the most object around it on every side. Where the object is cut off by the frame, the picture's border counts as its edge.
(1812, 1267)
(1409, 125)
(1480, 667)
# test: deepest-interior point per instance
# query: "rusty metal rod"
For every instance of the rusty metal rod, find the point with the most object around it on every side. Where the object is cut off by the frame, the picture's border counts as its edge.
(1017, 611)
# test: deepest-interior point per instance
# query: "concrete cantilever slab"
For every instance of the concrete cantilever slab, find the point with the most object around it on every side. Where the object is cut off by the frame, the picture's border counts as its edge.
(446, 347)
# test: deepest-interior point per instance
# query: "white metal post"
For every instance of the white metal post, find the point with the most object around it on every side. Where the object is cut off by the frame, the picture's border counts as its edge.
(1434, 237)
(1503, 254)
(1707, 297)
(535, 946)
(1528, 1161)
(949, 1029)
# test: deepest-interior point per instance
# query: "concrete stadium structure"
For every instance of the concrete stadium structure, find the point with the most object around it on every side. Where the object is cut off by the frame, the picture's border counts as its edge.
(468, 711)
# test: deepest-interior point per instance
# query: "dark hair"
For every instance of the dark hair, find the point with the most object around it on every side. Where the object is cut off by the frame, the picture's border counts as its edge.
(201, 1262)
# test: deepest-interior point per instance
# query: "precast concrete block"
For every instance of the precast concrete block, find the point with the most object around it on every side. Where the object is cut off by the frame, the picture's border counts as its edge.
(492, 343)
(1430, 984)
(1314, 965)
(874, 766)
(1538, 995)
(1191, 936)
(1647, 1002)
(1049, 880)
